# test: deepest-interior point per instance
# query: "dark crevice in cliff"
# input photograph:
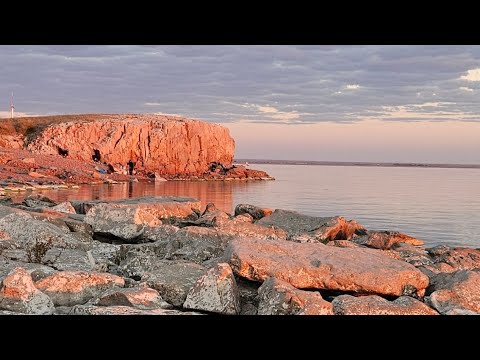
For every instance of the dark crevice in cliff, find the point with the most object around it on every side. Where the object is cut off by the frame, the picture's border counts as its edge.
(122, 135)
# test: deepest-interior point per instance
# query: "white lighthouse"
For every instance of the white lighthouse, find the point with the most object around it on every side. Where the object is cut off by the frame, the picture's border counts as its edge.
(12, 107)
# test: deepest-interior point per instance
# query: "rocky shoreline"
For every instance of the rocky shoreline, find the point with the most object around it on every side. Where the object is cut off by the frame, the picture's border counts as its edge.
(23, 170)
(174, 256)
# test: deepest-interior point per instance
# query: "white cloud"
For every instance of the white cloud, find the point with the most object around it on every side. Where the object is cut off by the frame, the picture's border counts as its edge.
(152, 104)
(433, 104)
(472, 75)
(464, 88)
(411, 112)
(352, 87)
(267, 109)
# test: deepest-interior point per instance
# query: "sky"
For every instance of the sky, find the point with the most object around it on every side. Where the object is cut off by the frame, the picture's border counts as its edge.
(333, 103)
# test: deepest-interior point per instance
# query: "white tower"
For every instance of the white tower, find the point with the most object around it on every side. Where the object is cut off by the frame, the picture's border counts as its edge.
(12, 107)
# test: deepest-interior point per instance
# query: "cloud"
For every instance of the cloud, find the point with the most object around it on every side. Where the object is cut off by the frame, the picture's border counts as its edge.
(267, 109)
(472, 75)
(222, 84)
(433, 104)
(352, 87)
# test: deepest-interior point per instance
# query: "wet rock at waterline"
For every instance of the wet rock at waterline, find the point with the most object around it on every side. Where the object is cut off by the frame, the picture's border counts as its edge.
(304, 228)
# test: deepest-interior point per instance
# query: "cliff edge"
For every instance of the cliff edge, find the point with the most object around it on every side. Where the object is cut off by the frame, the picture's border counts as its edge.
(165, 144)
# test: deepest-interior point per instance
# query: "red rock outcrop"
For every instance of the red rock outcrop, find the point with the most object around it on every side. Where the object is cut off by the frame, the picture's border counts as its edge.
(165, 144)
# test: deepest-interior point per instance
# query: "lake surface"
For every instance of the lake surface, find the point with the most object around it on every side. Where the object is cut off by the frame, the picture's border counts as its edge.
(439, 206)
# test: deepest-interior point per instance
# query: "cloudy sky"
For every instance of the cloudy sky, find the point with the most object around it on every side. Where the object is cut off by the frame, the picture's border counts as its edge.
(359, 103)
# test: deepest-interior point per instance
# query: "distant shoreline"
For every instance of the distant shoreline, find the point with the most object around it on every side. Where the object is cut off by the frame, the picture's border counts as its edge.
(357, 163)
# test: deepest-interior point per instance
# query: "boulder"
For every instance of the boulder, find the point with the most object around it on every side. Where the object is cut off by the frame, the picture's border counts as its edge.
(417, 256)
(64, 207)
(455, 291)
(376, 305)
(256, 212)
(140, 298)
(304, 228)
(278, 297)
(21, 231)
(173, 279)
(127, 219)
(68, 288)
(385, 239)
(448, 259)
(19, 294)
(38, 201)
(216, 291)
(318, 266)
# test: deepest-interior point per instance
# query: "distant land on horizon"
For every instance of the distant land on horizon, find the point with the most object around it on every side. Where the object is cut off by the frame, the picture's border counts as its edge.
(357, 163)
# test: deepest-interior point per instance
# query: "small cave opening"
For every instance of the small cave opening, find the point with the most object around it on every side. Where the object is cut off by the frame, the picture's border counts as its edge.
(96, 155)
(62, 152)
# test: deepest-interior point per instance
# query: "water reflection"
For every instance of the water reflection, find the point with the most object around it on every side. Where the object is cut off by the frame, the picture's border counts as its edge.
(218, 192)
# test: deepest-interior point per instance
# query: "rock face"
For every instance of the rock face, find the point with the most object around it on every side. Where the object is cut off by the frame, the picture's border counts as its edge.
(318, 266)
(68, 288)
(280, 298)
(127, 218)
(19, 294)
(456, 291)
(157, 143)
(216, 291)
(376, 305)
(304, 228)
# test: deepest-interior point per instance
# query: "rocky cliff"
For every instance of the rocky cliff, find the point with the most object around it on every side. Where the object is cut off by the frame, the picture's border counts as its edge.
(165, 144)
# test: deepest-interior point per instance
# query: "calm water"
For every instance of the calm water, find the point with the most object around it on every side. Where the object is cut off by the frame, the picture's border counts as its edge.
(435, 205)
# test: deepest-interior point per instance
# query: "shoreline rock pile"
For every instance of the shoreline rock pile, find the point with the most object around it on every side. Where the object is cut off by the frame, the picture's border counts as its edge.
(173, 256)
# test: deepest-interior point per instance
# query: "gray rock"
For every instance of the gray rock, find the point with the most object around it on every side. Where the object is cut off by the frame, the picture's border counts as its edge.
(414, 255)
(216, 291)
(122, 310)
(448, 259)
(78, 226)
(18, 294)
(280, 298)
(376, 305)
(249, 309)
(122, 221)
(173, 279)
(318, 266)
(461, 312)
(254, 211)
(455, 291)
(140, 298)
(304, 228)
(37, 200)
(8, 265)
(68, 288)
(21, 231)
(159, 233)
(64, 207)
